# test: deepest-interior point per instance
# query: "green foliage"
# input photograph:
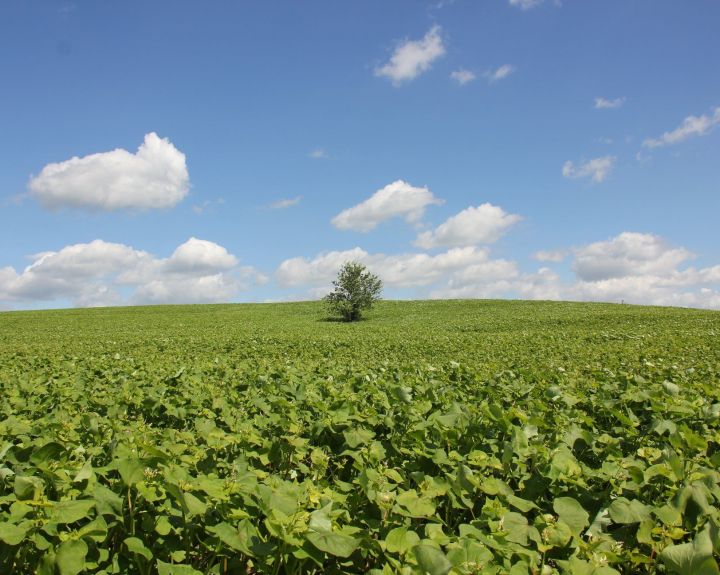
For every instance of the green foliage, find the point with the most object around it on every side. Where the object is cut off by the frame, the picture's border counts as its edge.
(355, 290)
(454, 438)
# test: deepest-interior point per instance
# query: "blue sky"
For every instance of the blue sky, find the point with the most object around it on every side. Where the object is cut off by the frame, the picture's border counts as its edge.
(178, 151)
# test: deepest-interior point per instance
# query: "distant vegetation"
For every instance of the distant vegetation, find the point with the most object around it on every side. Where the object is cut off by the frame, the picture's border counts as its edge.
(440, 437)
(355, 290)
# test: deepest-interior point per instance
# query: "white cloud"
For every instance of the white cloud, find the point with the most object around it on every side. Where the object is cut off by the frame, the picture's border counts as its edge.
(154, 177)
(555, 256)
(483, 224)
(499, 74)
(322, 269)
(413, 57)
(462, 76)
(208, 206)
(318, 154)
(104, 273)
(627, 254)
(398, 199)
(605, 104)
(631, 267)
(597, 169)
(643, 269)
(398, 271)
(645, 290)
(525, 4)
(200, 256)
(543, 284)
(691, 126)
(285, 203)
(467, 272)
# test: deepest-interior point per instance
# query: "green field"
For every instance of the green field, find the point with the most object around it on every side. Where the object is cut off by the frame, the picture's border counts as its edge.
(442, 437)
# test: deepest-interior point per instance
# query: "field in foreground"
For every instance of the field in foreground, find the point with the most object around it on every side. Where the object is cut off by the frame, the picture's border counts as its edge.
(435, 437)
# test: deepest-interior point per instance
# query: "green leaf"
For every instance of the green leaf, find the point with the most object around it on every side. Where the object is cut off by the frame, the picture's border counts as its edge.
(516, 526)
(564, 464)
(410, 504)
(468, 552)
(401, 540)
(106, 501)
(494, 486)
(162, 525)
(70, 557)
(71, 511)
(571, 512)
(670, 388)
(47, 564)
(232, 537)
(96, 530)
(48, 452)
(558, 534)
(320, 521)
(696, 493)
(174, 569)
(694, 558)
(284, 498)
(431, 560)
(333, 543)
(601, 521)
(136, 545)
(28, 488)
(131, 470)
(358, 436)
(625, 512)
(194, 505)
(86, 472)
(12, 534)
(521, 504)
(668, 515)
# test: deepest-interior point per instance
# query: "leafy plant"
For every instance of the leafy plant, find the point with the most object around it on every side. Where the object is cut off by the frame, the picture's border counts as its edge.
(455, 438)
(355, 290)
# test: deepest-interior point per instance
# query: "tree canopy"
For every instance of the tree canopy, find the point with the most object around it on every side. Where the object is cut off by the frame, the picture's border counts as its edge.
(355, 290)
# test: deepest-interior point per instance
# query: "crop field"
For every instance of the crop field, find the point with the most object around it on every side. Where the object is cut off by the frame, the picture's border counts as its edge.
(484, 437)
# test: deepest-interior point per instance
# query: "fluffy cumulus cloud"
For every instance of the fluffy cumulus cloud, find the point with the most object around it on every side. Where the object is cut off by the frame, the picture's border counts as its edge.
(105, 273)
(500, 73)
(627, 254)
(480, 282)
(631, 267)
(690, 127)
(605, 104)
(413, 57)
(396, 270)
(643, 269)
(483, 224)
(597, 169)
(153, 177)
(467, 272)
(398, 199)
(555, 256)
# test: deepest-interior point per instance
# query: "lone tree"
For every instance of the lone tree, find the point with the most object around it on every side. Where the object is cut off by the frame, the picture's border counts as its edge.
(356, 289)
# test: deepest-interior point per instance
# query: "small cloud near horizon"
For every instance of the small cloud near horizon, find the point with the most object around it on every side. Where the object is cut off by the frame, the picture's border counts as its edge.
(605, 104)
(285, 203)
(462, 76)
(500, 73)
(318, 154)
